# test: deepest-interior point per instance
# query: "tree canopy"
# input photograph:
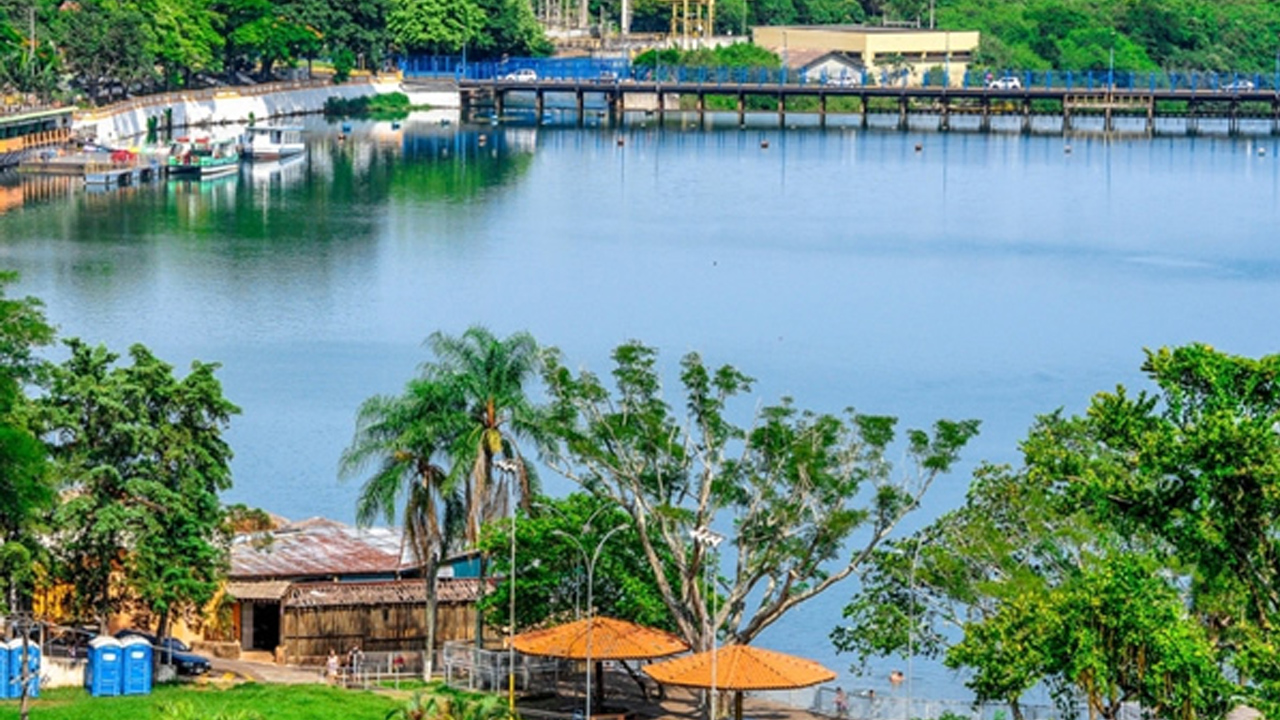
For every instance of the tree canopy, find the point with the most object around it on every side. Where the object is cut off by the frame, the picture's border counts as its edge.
(1130, 559)
(141, 456)
(798, 485)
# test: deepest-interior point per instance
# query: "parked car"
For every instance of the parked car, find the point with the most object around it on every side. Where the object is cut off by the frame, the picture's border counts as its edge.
(1008, 82)
(1238, 86)
(521, 75)
(172, 651)
(843, 80)
(608, 76)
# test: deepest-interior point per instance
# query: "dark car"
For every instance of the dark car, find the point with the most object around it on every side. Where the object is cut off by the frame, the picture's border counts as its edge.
(172, 651)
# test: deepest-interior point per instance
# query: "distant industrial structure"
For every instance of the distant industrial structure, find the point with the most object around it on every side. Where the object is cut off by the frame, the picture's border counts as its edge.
(904, 54)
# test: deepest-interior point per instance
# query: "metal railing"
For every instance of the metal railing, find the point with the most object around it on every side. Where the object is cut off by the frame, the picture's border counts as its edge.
(936, 76)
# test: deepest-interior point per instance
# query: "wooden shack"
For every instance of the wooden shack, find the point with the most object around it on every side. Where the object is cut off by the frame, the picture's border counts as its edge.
(377, 616)
(317, 585)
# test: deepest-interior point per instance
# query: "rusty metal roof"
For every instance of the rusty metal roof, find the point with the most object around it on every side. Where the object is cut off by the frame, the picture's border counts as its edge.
(318, 548)
(394, 592)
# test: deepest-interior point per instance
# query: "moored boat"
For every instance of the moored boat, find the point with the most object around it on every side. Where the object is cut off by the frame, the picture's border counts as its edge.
(272, 142)
(203, 158)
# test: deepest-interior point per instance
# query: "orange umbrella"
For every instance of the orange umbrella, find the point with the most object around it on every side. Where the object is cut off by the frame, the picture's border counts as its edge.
(739, 668)
(610, 639)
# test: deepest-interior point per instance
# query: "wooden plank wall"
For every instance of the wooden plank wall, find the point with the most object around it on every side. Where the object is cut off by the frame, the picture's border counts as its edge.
(309, 633)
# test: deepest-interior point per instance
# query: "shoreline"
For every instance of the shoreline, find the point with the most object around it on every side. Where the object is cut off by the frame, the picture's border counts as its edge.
(129, 120)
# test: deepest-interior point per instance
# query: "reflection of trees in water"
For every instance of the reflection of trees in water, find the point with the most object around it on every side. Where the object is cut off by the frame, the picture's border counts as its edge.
(461, 165)
(336, 196)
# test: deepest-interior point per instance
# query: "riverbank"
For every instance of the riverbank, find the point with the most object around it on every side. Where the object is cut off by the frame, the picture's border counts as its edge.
(129, 120)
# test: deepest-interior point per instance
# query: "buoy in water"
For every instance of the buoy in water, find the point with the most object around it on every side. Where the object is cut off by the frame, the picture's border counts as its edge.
(764, 144)
(1262, 152)
(1066, 149)
(919, 147)
(621, 142)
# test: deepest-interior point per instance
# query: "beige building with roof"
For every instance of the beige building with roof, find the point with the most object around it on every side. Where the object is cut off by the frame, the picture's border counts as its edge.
(880, 50)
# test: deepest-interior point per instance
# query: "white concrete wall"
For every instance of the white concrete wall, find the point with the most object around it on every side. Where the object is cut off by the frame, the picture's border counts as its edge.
(124, 121)
(61, 672)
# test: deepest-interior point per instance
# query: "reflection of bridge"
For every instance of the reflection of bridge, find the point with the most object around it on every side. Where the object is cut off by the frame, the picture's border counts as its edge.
(1142, 106)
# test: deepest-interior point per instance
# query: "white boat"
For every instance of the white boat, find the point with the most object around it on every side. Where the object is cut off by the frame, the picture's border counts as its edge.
(272, 142)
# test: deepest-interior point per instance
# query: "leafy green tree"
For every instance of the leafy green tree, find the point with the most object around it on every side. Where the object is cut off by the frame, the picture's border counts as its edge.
(257, 33)
(183, 36)
(23, 330)
(27, 495)
(1195, 466)
(102, 42)
(509, 28)
(434, 26)
(550, 579)
(791, 483)
(142, 459)
(982, 567)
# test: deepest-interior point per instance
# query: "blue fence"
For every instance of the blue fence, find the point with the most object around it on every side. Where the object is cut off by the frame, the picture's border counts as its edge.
(621, 70)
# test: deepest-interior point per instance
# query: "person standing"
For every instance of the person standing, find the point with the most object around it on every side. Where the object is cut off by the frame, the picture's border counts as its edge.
(841, 703)
(331, 667)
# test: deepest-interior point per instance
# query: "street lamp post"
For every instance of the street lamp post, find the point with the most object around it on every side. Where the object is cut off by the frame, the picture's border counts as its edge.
(590, 561)
(709, 539)
(510, 468)
(911, 630)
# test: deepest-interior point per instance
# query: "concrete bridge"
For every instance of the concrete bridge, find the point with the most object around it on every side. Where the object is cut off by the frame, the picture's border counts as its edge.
(1142, 106)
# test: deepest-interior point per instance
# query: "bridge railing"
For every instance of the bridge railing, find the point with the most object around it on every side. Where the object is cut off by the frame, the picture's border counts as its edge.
(621, 70)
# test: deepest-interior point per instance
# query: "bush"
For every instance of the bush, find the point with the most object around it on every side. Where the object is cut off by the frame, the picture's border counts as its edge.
(388, 106)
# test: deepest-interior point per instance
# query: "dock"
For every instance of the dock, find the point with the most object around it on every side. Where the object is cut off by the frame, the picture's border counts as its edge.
(116, 169)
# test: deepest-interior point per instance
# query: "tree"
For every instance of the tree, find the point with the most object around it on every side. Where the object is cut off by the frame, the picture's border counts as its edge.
(23, 329)
(403, 438)
(102, 42)
(434, 26)
(1129, 559)
(982, 568)
(790, 483)
(550, 579)
(510, 28)
(1196, 466)
(487, 377)
(26, 492)
(26, 496)
(142, 460)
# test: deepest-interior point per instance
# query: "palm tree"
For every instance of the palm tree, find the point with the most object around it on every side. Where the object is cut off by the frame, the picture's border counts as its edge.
(401, 437)
(488, 375)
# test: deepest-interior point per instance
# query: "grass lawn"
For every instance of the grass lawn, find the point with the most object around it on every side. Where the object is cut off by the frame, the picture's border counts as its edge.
(273, 702)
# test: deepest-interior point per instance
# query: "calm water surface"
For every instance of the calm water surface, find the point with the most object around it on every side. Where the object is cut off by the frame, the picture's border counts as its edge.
(994, 277)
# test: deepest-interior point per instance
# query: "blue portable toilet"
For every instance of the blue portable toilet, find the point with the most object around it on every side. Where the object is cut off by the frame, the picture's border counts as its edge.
(15, 668)
(102, 674)
(136, 672)
(4, 672)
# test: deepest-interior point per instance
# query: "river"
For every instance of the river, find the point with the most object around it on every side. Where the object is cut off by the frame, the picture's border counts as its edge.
(991, 276)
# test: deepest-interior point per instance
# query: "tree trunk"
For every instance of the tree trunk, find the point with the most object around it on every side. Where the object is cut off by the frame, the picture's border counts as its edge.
(162, 630)
(429, 570)
(480, 596)
(24, 675)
